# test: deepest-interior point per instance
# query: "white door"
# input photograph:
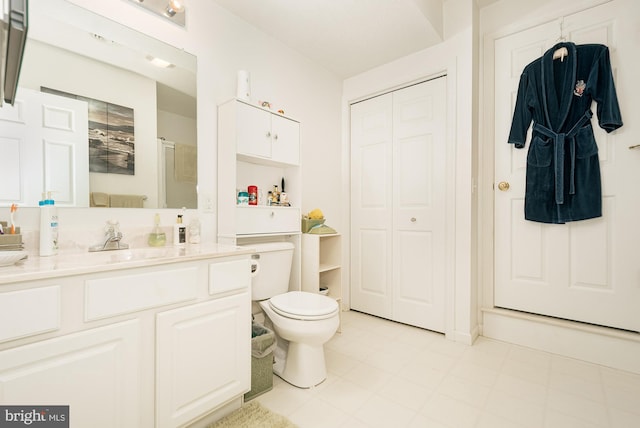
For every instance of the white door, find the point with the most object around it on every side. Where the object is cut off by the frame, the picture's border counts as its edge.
(44, 146)
(398, 201)
(588, 270)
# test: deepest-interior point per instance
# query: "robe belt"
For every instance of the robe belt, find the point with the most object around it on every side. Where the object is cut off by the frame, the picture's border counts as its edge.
(558, 154)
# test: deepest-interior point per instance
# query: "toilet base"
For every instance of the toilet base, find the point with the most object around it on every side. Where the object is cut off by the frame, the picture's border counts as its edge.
(300, 365)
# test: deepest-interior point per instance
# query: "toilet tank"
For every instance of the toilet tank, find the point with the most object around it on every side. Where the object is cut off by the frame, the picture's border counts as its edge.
(271, 269)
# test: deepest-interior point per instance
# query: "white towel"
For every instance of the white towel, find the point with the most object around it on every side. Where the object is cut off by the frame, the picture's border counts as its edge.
(185, 165)
(126, 201)
(99, 199)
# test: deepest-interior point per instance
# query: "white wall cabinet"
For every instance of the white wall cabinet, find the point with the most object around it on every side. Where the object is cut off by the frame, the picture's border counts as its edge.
(129, 349)
(266, 135)
(258, 147)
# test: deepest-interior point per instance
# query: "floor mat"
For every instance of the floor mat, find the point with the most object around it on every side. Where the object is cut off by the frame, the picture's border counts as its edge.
(253, 415)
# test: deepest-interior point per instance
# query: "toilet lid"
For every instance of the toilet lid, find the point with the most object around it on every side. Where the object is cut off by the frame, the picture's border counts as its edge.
(304, 305)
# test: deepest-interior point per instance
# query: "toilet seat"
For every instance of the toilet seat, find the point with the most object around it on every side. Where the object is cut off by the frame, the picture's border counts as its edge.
(302, 305)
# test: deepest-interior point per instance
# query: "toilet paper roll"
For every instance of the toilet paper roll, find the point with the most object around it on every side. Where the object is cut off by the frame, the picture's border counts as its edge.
(244, 86)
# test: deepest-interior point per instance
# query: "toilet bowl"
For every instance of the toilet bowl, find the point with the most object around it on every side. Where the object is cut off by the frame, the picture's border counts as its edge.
(303, 322)
(299, 355)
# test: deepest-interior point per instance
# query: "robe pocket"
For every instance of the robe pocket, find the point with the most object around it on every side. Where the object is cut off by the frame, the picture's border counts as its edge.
(586, 145)
(540, 152)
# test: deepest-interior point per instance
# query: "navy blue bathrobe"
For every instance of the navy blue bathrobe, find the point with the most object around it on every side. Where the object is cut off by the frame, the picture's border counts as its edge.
(563, 168)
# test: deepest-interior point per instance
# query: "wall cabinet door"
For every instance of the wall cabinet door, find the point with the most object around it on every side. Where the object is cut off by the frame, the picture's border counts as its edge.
(203, 358)
(285, 146)
(95, 372)
(254, 131)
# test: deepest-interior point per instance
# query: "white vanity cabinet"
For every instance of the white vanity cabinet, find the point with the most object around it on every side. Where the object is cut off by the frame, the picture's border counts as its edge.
(164, 344)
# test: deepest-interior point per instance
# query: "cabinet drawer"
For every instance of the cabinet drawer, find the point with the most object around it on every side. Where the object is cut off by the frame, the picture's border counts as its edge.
(117, 295)
(264, 220)
(29, 312)
(229, 275)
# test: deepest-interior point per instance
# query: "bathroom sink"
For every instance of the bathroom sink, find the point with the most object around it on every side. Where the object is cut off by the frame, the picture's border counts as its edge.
(130, 254)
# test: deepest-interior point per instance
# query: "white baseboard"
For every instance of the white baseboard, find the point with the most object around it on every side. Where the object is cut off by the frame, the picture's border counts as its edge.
(600, 345)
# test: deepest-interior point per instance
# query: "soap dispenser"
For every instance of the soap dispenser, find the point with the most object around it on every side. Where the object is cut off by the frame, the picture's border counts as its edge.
(157, 238)
(48, 226)
(179, 232)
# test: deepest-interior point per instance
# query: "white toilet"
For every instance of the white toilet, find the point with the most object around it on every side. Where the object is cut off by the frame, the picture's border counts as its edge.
(303, 322)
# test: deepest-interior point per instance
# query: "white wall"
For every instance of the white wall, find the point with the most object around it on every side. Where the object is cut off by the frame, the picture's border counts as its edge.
(224, 44)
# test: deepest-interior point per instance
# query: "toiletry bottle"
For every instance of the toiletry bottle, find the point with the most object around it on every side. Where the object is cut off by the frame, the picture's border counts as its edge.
(179, 232)
(48, 226)
(253, 195)
(194, 231)
(157, 238)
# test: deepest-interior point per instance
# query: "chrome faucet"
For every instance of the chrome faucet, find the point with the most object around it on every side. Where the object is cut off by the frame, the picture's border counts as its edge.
(112, 238)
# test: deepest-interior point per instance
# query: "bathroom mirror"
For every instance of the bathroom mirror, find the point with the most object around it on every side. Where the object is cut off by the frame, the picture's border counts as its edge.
(147, 159)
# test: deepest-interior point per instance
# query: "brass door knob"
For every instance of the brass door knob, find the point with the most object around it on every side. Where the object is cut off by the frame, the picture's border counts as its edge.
(503, 185)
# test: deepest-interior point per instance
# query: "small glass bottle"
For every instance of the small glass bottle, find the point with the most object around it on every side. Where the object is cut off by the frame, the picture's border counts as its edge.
(157, 238)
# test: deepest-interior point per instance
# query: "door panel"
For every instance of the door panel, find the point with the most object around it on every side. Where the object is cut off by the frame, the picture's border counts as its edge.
(418, 204)
(371, 258)
(583, 270)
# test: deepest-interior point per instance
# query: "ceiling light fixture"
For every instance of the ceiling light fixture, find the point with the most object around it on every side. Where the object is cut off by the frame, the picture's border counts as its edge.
(174, 6)
(173, 10)
(159, 62)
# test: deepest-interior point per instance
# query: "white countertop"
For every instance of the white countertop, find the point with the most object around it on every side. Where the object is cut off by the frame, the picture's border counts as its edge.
(77, 263)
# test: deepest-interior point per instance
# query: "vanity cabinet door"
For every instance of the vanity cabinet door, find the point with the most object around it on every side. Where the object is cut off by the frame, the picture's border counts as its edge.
(203, 358)
(254, 131)
(94, 372)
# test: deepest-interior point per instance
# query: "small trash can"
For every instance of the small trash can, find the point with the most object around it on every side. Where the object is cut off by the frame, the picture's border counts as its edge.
(263, 342)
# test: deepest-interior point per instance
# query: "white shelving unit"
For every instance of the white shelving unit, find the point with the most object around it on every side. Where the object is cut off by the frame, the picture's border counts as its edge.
(258, 147)
(321, 264)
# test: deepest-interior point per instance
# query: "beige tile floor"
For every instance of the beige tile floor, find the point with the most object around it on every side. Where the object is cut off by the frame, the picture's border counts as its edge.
(385, 374)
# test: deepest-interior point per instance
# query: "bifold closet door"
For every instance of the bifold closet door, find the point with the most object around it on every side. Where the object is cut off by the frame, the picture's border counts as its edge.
(398, 204)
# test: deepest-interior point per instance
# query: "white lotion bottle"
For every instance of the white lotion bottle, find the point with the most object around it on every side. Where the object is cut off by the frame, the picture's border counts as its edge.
(48, 226)
(179, 232)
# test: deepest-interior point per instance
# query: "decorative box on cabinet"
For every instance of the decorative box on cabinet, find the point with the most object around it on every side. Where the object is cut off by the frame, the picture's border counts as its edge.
(321, 264)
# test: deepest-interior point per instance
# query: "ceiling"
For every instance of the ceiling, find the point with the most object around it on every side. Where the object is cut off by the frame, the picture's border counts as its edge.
(346, 37)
